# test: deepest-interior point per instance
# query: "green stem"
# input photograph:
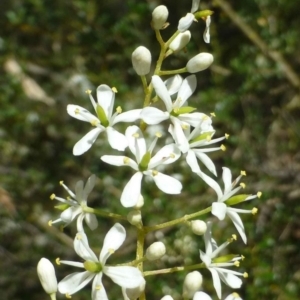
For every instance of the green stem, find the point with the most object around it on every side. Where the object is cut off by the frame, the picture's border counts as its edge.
(174, 269)
(177, 221)
(140, 254)
(178, 71)
(102, 213)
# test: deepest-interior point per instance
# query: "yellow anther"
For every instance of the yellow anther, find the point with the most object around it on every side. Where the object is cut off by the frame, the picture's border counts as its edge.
(78, 236)
(77, 111)
(88, 92)
(205, 117)
(61, 182)
(235, 295)
(94, 122)
(119, 109)
(172, 155)
(184, 126)
(58, 261)
(245, 275)
(126, 160)
(213, 114)
(227, 136)
(114, 89)
(158, 134)
(69, 198)
(236, 263)
(50, 223)
(154, 172)
(243, 173)
(208, 138)
(136, 135)
(111, 251)
(243, 185)
(68, 296)
(234, 237)
(223, 148)
(259, 194)
(242, 257)
(98, 287)
(52, 197)
(254, 211)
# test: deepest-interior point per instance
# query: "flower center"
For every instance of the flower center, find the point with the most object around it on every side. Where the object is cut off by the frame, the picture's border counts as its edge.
(92, 266)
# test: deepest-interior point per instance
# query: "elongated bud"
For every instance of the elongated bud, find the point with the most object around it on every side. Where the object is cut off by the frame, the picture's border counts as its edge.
(141, 60)
(180, 41)
(198, 227)
(46, 274)
(156, 251)
(192, 283)
(159, 17)
(199, 62)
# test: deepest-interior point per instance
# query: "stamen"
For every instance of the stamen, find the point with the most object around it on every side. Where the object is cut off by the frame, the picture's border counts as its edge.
(236, 263)
(154, 172)
(243, 185)
(50, 223)
(114, 89)
(235, 295)
(243, 173)
(98, 287)
(119, 109)
(95, 123)
(136, 135)
(126, 160)
(234, 237)
(223, 148)
(52, 197)
(158, 134)
(58, 261)
(254, 211)
(77, 111)
(213, 114)
(111, 251)
(88, 92)
(78, 236)
(227, 136)
(68, 296)
(61, 182)
(184, 126)
(245, 275)
(172, 155)
(259, 194)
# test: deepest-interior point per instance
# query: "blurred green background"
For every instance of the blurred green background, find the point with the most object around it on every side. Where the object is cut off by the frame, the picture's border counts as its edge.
(52, 51)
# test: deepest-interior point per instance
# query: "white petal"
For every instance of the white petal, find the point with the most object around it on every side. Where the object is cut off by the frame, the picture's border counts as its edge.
(195, 7)
(106, 99)
(91, 221)
(98, 290)
(192, 161)
(173, 84)
(82, 248)
(212, 183)
(219, 209)
(79, 191)
(113, 240)
(126, 277)
(186, 90)
(167, 184)
(162, 92)
(206, 161)
(205, 258)
(169, 151)
(193, 118)
(216, 282)
(128, 116)
(70, 213)
(117, 160)
(136, 142)
(206, 34)
(153, 116)
(238, 223)
(179, 136)
(90, 183)
(74, 282)
(80, 113)
(227, 179)
(87, 141)
(185, 22)
(132, 190)
(231, 280)
(201, 296)
(116, 139)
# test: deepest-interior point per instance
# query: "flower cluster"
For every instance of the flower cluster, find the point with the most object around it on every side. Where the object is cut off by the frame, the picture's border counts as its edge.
(186, 135)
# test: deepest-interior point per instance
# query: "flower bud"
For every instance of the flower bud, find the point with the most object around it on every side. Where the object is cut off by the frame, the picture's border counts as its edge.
(46, 274)
(159, 17)
(141, 60)
(140, 202)
(167, 297)
(201, 296)
(192, 283)
(180, 41)
(198, 227)
(156, 251)
(134, 293)
(134, 217)
(185, 22)
(199, 62)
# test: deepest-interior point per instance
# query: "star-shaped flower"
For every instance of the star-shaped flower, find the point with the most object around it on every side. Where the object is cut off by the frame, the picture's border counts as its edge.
(217, 265)
(178, 114)
(104, 121)
(145, 164)
(74, 206)
(222, 206)
(124, 276)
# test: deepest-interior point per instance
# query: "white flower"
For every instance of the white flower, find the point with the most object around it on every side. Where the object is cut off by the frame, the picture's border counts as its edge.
(76, 205)
(222, 207)
(46, 274)
(217, 268)
(233, 296)
(195, 5)
(201, 136)
(124, 276)
(104, 121)
(201, 296)
(176, 112)
(144, 165)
